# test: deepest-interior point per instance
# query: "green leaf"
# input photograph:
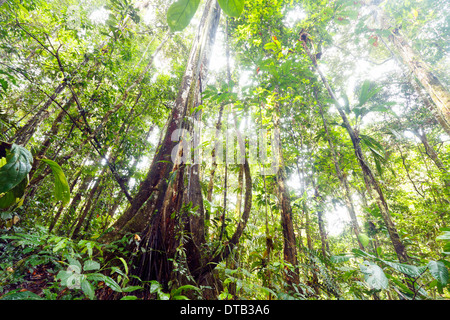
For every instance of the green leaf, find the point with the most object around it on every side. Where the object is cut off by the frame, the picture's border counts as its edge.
(180, 14)
(439, 271)
(91, 265)
(340, 258)
(14, 195)
(364, 239)
(132, 288)
(62, 190)
(87, 288)
(95, 277)
(178, 291)
(374, 275)
(406, 269)
(367, 92)
(271, 46)
(18, 164)
(24, 295)
(112, 284)
(74, 265)
(232, 8)
(444, 236)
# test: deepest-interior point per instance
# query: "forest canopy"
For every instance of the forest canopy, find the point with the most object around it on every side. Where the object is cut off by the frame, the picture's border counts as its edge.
(224, 150)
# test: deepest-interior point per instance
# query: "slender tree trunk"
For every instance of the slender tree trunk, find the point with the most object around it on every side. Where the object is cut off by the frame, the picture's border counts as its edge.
(89, 200)
(431, 152)
(322, 231)
(71, 211)
(369, 178)
(343, 181)
(94, 207)
(290, 245)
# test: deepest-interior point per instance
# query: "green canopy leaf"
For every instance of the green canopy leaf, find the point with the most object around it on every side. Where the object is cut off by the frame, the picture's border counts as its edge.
(62, 190)
(232, 8)
(364, 239)
(180, 14)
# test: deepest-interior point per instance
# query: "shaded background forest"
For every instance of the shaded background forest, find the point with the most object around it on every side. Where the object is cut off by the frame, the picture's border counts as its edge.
(358, 209)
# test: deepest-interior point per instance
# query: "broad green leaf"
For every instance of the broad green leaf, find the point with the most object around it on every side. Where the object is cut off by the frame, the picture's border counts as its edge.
(232, 8)
(62, 190)
(374, 275)
(18, 295)
(129, 298)
(444, 236)
(406, 269)
(364, 239)
(18, 164)
(179, 290)
(87, 288)
(76, 263)
(132, 288)
(7, 200)
(95, 276)
(112, 284)
(367, 92)
(180, 14)
(91, 265)
(340, 258)
(439, 271)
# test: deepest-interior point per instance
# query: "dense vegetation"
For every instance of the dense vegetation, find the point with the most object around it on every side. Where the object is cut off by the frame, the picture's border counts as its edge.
(263, 149)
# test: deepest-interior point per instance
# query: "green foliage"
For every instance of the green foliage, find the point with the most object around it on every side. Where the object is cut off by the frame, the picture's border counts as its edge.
(110, 134)
(232, 8)
(13, 172)
(180, 14)
(61, 189)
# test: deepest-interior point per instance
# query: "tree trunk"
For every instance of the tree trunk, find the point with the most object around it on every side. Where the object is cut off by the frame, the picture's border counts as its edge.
(436, 90)
(343, 181)
(290, 245)
(71, 211)
(155, 183)
(431, 152)
(421, 70)
(369, 178)
(160, 238)
(88, 204)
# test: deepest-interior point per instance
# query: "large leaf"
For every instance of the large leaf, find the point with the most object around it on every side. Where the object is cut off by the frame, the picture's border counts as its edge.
(91, 265)
(367, 92)
(18, 164)
(14, 195)
(406, 269)
(364, 239)
(340, 258)
(233, 8)
(62, 190)
(112, 284)
(180, 14)
(374, 275)
(439, 271)
(88, 289)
